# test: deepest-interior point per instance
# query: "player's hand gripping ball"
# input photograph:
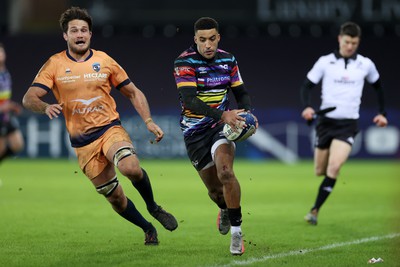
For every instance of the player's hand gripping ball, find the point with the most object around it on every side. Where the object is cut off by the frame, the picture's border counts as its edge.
(240, 133)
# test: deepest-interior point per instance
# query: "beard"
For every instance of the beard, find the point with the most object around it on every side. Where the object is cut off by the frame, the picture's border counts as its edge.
(79, 50)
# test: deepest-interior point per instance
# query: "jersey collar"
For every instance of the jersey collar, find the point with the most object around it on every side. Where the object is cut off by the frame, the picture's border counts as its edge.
(338, 55)
(73, 59)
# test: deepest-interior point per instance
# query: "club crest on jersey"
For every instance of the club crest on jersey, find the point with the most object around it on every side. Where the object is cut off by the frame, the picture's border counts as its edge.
(96, 67)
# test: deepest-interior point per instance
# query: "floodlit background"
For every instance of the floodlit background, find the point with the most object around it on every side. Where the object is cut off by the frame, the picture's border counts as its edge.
(50, 215)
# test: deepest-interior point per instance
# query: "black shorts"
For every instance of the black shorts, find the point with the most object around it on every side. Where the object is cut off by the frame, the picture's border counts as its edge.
(8, 124)
(329, 129)
(199, 146)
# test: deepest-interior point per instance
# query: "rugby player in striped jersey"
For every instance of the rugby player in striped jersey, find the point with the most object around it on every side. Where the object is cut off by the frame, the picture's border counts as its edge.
(204, 75)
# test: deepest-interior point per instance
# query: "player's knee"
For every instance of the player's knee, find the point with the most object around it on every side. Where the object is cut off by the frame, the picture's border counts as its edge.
(132, 171)
(17, 147)
(319, 171)
(333, 169)
(225, 174)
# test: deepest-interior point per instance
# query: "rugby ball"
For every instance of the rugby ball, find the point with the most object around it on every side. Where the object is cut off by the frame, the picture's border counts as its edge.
(239, 133)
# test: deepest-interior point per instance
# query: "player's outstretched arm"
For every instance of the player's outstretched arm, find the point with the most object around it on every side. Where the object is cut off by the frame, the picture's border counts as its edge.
(32, 101)
(139, 102)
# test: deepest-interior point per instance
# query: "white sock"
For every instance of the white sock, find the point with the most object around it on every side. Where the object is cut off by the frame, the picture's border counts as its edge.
(236, 229)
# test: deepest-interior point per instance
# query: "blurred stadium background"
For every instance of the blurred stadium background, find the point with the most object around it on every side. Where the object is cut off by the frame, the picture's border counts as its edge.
(275, 42)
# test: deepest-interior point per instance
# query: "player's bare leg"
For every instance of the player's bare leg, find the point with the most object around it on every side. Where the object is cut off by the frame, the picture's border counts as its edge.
(124, 157)
(11, 144)
(223, 158)
(108, 185)
(328, 163)
(216, 193)
(321, 157)
(339, 152)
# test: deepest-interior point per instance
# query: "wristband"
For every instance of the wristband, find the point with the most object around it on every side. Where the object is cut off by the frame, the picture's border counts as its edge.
(147, 121)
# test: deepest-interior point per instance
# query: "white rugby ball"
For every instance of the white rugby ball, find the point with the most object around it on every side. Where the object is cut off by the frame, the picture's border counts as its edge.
(238, 133)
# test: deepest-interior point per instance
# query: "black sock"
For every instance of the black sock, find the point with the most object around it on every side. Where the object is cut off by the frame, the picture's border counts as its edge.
(133, 215)
(222, 206)
(8, 152)
(235, 216)
(325, 189)
(145, 190)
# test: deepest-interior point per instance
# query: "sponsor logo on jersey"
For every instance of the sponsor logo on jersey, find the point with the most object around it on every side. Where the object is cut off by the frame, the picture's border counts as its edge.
(87, 109)
(67, 70)
(225, 66)
(68, 79)
(215, 81)
(87, 102)
(344, 80)
(94, 76)
(182, 71)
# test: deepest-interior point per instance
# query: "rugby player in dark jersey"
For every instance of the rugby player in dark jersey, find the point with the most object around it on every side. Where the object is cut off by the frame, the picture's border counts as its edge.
(11, 140)
(204, 75)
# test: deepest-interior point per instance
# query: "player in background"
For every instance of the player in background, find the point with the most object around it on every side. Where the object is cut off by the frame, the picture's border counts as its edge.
(204, 75)
(81, 79)
(11, 139)
(343, 73)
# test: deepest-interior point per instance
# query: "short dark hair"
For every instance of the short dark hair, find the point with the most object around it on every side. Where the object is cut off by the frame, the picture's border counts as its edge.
(206, 23)
(74, 13)
(350, 28)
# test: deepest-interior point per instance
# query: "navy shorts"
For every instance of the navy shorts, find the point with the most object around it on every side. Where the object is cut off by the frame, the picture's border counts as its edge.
(328, 129)
(199, 146)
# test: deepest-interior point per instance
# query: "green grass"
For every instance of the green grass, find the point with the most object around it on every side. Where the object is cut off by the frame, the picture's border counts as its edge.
(50, 215)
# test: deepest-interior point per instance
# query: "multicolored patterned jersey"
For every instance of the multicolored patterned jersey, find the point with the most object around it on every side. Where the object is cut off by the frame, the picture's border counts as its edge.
(5, 86)
(5, 93)
(212, 78)
(83, 89)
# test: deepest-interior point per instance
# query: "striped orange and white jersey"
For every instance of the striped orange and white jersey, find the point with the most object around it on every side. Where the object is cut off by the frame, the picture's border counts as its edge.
(83, 89)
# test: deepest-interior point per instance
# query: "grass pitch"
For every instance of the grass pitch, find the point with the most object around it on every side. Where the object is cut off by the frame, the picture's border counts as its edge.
(50, 215)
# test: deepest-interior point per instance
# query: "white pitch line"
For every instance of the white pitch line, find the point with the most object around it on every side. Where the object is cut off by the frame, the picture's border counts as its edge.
(304, 251)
